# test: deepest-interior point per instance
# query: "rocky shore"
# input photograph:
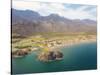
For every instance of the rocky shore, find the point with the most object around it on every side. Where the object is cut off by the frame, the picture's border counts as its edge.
(20, 53)
(53, 52)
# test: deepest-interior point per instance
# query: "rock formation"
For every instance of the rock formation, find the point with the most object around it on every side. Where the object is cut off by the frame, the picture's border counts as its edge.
(50, 56)
(20, 53)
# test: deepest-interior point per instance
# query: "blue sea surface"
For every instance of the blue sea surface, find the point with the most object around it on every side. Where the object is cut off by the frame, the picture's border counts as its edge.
(77, 57)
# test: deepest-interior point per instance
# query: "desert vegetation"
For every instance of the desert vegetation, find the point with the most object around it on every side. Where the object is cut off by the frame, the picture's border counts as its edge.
(48, 43)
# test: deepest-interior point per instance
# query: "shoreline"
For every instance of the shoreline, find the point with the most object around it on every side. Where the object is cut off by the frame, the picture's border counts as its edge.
(71, 44)
(57, 45)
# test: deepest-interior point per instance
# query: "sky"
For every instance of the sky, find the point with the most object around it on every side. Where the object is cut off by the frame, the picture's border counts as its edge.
(70, 11)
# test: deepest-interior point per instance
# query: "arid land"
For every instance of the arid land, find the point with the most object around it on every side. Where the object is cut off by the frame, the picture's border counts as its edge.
(47, 42)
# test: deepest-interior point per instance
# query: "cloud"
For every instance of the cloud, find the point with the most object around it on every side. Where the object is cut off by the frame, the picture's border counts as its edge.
(71, 11)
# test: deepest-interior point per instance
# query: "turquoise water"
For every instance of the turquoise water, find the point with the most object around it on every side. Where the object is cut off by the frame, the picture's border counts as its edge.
(77, 57)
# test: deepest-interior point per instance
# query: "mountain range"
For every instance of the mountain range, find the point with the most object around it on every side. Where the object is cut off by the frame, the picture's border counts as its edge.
(27, 22)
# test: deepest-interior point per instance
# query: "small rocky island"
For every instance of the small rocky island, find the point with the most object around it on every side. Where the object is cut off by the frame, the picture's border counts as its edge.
(50, 56)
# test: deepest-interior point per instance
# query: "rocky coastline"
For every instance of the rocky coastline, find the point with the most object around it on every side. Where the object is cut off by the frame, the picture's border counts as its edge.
(53, 52)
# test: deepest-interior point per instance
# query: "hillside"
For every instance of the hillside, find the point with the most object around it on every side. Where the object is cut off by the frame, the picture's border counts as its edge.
(27, 23)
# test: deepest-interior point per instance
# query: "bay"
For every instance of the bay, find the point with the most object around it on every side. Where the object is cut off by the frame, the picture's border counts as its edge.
(81, 56)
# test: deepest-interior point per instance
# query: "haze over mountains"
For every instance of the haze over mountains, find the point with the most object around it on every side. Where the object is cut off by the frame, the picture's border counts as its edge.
(27, 22)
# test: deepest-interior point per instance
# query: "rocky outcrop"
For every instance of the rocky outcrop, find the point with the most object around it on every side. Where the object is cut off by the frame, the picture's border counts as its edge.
(50, 56)
(20, 53)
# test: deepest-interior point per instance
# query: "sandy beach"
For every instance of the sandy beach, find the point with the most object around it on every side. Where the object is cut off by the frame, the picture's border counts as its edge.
(72, 42)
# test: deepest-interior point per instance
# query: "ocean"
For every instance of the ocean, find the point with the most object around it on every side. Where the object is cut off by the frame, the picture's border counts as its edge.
(81, 56)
